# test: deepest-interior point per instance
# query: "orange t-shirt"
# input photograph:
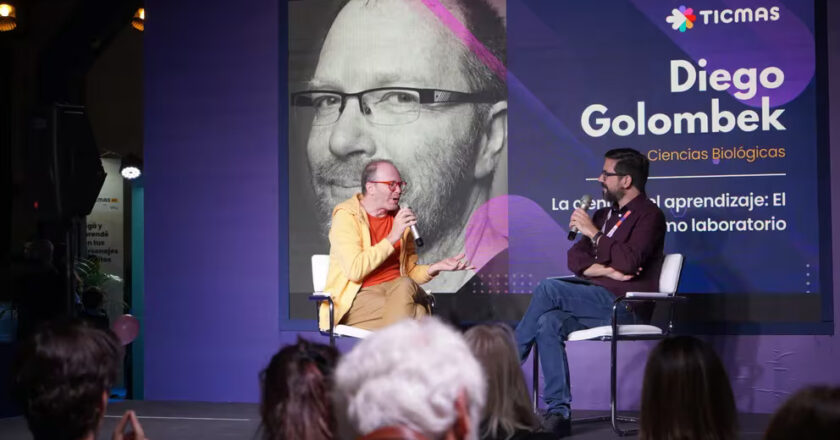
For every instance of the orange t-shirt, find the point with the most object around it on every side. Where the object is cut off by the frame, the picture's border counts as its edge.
(390, 268)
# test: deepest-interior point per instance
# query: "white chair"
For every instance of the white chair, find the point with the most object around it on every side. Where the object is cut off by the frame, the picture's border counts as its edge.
(669, 280)
(320, 266)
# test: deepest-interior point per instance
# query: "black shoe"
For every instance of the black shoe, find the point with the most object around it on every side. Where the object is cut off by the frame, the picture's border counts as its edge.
(556, 424)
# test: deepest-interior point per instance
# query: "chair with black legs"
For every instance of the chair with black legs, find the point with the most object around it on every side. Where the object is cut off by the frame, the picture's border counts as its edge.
(669, 280)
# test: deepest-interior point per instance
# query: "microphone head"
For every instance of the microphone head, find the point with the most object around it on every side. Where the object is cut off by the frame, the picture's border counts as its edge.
(585, 201)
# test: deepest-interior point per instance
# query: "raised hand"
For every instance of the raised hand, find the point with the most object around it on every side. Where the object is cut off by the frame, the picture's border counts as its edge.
(404, 219)
(580, 220)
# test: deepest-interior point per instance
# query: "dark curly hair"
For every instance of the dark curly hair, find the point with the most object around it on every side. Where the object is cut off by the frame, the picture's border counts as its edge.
(61, 373)
(296, 388)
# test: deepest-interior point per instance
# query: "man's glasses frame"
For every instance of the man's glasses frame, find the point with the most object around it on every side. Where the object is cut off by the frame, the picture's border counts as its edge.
(392, 184)
(606, 174)
(425, 96)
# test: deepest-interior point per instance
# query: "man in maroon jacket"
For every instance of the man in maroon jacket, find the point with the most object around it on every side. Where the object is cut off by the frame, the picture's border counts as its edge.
(621, 250)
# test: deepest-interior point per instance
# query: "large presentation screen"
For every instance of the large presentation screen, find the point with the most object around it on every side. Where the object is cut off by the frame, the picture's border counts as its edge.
(726, 98)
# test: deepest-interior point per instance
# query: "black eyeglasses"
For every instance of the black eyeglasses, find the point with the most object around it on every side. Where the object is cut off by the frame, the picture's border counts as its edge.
(606, 174)
(382, 106)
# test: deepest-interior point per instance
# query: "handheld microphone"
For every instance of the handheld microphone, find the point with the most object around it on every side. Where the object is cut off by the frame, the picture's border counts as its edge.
(418, 240)
(584, 203)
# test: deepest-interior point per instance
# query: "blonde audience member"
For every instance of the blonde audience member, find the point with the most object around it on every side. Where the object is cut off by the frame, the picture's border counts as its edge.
(508, 413)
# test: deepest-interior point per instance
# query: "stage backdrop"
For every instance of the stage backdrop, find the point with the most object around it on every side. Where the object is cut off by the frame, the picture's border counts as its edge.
(216, 215)
(725, 98)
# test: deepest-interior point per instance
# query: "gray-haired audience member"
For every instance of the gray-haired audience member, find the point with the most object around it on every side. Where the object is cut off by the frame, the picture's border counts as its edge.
(62, 377)
(812, 413)
(416, 376)
(686, 393)
(508, 414)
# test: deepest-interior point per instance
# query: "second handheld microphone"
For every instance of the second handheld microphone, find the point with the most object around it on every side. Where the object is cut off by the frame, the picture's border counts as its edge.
(585, 200)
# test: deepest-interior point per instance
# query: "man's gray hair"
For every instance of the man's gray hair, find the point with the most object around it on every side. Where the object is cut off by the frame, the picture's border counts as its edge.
(408, 374)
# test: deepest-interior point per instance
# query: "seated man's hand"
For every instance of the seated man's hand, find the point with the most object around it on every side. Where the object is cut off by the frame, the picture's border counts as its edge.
(597, 270)
(581, 221)
(616, 275)
(404, 219)
(450, 264)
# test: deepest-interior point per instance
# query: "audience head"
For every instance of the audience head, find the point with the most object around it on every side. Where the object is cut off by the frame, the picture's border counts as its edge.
(296, 388)
(508, 406)
(62, 377)
(812, 413)
(418, 375)
(686, 393)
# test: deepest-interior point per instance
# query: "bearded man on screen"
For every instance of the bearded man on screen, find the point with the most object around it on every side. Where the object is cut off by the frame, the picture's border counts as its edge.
(395, 81)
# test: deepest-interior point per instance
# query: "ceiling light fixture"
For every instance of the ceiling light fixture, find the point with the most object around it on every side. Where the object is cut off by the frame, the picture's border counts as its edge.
(139, 19)
(8, 17)
(131, 167)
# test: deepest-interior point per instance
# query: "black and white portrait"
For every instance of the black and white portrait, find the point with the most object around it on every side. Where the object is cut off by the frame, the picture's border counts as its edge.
(421, 83)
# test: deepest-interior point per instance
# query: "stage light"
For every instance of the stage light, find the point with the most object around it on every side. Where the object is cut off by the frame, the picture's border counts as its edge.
(139, 19)
(8, 17)
(131, 167)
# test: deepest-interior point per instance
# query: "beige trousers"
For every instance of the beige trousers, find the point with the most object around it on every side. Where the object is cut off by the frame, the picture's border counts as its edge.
(378, 306)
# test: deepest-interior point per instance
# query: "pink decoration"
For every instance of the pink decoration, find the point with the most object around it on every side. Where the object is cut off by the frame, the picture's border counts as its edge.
(466, 37)
(126, 327)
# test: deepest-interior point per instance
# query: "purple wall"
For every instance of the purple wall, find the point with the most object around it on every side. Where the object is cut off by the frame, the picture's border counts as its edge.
(211, 112)
(216, 216)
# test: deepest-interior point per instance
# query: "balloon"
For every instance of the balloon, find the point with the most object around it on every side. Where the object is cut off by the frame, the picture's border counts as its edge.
(126, 327)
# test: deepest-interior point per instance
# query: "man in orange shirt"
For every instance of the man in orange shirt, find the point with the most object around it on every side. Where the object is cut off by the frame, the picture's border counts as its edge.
(374, 275)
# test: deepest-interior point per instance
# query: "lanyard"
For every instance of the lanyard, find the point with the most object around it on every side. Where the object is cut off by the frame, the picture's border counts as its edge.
(617, 224)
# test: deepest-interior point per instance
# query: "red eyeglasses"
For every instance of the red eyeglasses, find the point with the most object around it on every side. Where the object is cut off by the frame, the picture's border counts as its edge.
(392, 184)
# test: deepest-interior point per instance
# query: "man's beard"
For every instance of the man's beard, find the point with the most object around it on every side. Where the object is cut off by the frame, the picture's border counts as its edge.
(438, 184)
(612, 197)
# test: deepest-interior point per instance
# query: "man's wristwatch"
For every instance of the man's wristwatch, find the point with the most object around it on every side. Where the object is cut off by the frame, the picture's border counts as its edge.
(596, 237)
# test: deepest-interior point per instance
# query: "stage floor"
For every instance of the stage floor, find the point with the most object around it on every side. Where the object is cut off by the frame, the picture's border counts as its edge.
(212, 421)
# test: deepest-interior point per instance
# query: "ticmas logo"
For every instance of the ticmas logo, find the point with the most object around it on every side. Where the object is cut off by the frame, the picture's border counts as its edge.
(681, 18)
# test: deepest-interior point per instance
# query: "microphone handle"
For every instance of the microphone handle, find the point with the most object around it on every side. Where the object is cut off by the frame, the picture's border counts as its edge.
(418, 240)
(584, 203)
